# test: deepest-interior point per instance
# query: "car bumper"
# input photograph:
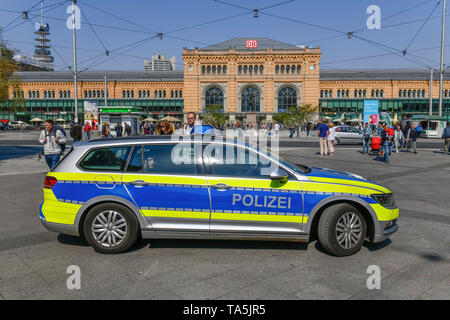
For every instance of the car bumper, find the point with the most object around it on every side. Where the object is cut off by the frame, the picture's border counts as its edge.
(57, 227)
(388, 228)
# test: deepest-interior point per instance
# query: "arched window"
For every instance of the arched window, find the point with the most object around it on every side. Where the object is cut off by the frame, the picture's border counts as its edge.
(288, 68)
(156, 94)
(245, 69)
(224, 69)
(219, 69)
(277, 69)
(287, 98)
(255, 69)
(240, 70)
(208, 69)
(250, 69)
(214, 97)
(299, 69)
(282, 69)
(261, 69)
(213, 69)
(250, 101)
(203, 69)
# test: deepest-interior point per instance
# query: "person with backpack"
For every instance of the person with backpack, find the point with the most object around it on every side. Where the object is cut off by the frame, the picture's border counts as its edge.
(387, 138)
(75, 132)
(62, 144)
(446, 137)
(119, 129)
(412, 138)
(52, 138)
(366, 132)
(87, 130)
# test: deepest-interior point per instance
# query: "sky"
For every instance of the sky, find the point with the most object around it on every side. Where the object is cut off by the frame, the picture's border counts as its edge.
(116, 25)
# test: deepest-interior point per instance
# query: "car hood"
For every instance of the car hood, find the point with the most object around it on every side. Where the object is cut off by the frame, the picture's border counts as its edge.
(341, 177)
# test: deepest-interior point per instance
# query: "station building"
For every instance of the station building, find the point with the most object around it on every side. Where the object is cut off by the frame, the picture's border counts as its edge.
(250, 79)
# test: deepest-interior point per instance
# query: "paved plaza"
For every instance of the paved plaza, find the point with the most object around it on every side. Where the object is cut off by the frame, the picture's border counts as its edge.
(414, 262)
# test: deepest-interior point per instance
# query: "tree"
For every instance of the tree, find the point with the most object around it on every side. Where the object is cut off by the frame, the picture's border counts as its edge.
(213, 115)
(9, 81)
(297, 115)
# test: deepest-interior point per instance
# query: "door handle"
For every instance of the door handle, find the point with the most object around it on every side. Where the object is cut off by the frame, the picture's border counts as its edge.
(221, 186)
(139, 183)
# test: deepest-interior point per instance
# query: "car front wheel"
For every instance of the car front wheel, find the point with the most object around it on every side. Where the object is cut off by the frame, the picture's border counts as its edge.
(342, 229)
(111, 228)
(336, 141)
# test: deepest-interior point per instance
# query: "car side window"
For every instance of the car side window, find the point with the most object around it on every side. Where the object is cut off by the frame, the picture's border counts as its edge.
(232, 161)
(106, 159)
(338, 129)
(170, 159)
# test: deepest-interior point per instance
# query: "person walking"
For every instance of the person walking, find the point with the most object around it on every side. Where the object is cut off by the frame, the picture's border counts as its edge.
(146, 128)
(291, 130)
(446, 138)
(105, 130)
(127, 129)
(366, 133)
(387, 136)
(119, 129)
(87, 130)
(51, 138)
(322, 132)
(331, 137)
(75, 132)
(398, 138)
(308, 129)
(412, 138)
(276, 129)
(190, 126)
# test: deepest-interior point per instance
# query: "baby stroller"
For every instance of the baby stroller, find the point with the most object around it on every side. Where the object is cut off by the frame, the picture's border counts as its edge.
(375, 145)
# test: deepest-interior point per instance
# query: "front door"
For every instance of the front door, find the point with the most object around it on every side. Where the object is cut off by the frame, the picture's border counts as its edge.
(243, 197)
(168, 186)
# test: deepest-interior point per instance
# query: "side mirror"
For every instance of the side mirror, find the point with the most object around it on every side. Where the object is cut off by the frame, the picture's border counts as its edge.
(279, 175)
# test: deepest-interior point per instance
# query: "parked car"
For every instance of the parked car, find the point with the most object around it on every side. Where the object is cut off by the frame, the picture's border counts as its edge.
(113, 190)
(348, 134)
(19, 125)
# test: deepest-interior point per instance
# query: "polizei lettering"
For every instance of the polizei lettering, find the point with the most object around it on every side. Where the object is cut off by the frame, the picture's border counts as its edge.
(249, 200)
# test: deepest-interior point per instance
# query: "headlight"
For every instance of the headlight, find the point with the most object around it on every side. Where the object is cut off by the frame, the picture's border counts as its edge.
(385, 199)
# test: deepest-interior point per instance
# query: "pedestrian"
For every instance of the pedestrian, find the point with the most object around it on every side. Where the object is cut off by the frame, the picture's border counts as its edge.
(75, 132)
(166, 129)
(87, 130)
(322, 132)
(276, 129)
(51, 138)
(62, 144)
(404, 134)
(387, 137)
(308, 129)
(446, 138)
(128, 129)
(398, 137)
(105, 130)
(291, 130)
(412, 138)
(330, 138)
(146, 128)
(189, 128)
(380, 128)
(366, 133)
(119, 129)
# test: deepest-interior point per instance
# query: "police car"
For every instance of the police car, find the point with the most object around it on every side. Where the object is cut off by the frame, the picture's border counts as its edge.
(111, 191)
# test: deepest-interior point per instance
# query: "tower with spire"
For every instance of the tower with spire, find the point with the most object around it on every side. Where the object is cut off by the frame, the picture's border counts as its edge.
(42, 52)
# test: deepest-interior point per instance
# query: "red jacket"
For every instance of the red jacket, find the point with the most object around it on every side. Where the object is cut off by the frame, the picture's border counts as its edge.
(87, 128)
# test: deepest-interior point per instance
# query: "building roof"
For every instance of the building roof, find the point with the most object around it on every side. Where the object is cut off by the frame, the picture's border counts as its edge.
(379, 74)
(263, 44)
(132, 75)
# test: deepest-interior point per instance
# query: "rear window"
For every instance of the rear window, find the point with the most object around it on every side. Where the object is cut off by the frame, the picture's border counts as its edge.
(106, 159)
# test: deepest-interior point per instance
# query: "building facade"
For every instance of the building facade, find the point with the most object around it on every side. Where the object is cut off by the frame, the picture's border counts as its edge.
(248, 79)
(160, 63)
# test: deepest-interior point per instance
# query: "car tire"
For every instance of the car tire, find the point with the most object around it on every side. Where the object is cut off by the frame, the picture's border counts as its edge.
(336, 141)
(111, 228)
(342, 230)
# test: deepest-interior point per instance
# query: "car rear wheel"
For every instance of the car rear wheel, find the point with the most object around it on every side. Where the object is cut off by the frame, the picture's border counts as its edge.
(342, 229)
(110, 228)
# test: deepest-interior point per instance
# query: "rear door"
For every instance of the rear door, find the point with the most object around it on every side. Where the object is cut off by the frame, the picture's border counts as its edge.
(243, 197)
(167, 184)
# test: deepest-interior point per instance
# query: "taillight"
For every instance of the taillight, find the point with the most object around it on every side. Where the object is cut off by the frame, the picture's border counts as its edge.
(49, 182)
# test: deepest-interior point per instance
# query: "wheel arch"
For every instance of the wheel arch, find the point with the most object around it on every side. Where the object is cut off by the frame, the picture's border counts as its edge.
(368, 213)
(91, 203)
